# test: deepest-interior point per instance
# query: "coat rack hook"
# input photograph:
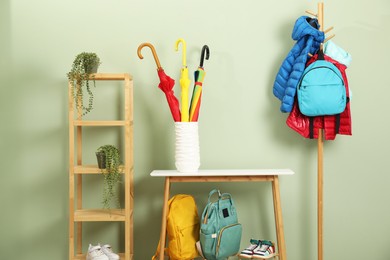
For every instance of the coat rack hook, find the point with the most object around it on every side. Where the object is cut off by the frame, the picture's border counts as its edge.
(311, 13)
(329, 37)
(329, 29)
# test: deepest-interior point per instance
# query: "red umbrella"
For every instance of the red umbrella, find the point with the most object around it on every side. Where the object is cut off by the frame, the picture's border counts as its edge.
(166, 83)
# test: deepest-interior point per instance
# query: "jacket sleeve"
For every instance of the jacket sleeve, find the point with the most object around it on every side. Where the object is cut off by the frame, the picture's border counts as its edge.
(280, 83)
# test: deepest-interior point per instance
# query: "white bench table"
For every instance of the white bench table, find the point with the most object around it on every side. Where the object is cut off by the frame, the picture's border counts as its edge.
(243, 175)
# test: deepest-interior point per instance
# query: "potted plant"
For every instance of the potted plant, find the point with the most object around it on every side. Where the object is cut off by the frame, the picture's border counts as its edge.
(85, 64)
(111, 172)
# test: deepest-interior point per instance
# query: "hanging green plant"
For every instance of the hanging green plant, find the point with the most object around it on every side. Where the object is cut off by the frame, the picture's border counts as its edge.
(111, 172)
(85, 64)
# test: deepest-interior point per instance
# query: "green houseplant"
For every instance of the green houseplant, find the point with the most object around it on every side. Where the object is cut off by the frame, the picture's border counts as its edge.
(85, 64)
(110, 167)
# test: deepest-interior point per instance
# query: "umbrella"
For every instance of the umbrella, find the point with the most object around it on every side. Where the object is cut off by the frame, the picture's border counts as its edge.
(166, 83)
(199, 75)
(184, 82)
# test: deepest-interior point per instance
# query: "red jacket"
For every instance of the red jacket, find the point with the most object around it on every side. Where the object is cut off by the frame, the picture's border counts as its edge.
(300, 123)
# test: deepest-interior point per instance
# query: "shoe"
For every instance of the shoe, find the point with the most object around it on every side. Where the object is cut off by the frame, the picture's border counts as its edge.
(265, 250)
(108, 252)
(248, 252)
(96, 253)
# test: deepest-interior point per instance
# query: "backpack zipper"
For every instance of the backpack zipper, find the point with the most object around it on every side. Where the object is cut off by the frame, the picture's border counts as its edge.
(220, 235)
(335, 72)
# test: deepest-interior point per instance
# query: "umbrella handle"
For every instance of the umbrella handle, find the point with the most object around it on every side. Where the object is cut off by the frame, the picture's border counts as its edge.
(207, 50)
(146, 44)
(184, 54)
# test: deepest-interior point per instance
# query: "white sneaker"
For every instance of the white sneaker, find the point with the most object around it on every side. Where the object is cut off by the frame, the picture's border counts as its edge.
(265, 250)
(96, 253)
(108, 252)
(248, 252)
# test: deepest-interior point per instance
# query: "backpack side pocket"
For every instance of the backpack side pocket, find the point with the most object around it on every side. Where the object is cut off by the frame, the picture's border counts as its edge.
(229, 240)
(208, 244)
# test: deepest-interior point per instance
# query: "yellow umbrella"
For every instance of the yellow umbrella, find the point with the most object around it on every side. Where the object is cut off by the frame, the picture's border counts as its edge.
(184, 82)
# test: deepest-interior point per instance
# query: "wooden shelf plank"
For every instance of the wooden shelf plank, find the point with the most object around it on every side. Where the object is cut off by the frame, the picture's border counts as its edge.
(109, 76)
(87, 169)
(91, 169)
(274, 257)
(100, 123)
(223, 173)
(83, 256)
(222, 178)
(83, 215)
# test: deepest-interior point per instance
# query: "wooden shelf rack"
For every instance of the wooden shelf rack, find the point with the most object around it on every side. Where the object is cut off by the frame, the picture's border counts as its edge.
(78, 214)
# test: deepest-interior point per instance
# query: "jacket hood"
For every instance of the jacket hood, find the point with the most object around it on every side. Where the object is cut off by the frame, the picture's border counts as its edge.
(306, 26)
(337, 53)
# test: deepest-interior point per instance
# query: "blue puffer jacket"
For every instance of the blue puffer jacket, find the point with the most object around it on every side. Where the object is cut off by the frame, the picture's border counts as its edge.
(308, 39)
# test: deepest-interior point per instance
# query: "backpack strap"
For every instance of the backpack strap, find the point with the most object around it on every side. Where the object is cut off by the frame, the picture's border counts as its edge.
(225, 197)
(337, 123)
(209, 207)
(320, 54)
(228, 196)
(212, 193)
(155, 257)
(311, 127)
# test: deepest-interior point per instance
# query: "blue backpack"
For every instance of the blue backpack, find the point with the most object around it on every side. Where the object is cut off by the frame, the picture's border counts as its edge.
(321, 90)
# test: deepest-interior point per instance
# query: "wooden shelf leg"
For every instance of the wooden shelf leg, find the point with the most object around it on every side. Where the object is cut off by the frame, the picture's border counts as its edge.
(71, 222)
(79, 225)
(79, 188)
(278, 219)
(164, 217)
(71, 172)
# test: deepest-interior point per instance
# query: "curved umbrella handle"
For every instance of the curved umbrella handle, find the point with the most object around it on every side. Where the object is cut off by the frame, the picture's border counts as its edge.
(153, 51)
(184, 54)
(207, 50)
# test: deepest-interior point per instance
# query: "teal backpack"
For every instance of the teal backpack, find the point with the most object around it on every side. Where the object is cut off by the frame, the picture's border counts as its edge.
(220, 232)
(321, 90)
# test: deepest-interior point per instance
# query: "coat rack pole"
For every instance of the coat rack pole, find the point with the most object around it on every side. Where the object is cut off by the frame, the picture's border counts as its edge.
(320, 168)
(320, 195)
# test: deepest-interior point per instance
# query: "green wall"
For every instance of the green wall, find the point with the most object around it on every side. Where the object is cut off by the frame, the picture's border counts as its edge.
(240, 123)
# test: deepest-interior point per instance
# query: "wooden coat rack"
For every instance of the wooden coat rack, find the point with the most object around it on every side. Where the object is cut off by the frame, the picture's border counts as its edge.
(320, 144)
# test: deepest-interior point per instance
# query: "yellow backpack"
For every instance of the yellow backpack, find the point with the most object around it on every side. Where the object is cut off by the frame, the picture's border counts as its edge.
(182, 228)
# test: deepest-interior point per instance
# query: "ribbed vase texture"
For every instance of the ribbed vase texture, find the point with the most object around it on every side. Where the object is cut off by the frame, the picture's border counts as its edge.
(187, 158)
